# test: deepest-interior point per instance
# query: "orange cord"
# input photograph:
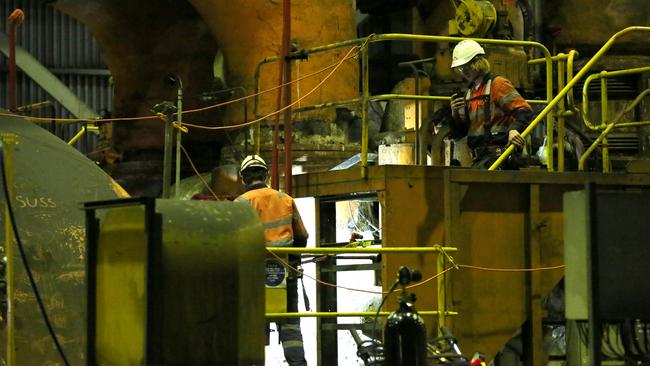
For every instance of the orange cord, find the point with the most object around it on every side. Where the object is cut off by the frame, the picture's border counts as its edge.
(198, 174)
(281, 109)
(419, 283)
(116, 119)
(511, 269)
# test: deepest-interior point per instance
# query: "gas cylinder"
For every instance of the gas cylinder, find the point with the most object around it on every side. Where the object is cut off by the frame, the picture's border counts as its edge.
(405, 333)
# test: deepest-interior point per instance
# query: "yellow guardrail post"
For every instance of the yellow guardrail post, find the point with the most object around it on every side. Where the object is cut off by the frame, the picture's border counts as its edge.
(561, 69)
(8, 140)
(442, 300)
(569, 75)
(604, 114)
(568, 87)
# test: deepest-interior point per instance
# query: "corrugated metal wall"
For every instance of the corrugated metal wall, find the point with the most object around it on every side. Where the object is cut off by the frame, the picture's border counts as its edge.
(69, 50)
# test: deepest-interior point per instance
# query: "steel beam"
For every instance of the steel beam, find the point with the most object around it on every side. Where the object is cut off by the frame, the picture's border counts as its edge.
(48, 81)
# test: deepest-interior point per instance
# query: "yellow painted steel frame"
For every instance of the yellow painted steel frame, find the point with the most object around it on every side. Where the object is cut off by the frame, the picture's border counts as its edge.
(505, 219)
(546, 111)
(365, 92)
(81, 132)
(604, 108)
(608, 129)
(8, 141)
(604, 75)
(564, 72)
(441, 313)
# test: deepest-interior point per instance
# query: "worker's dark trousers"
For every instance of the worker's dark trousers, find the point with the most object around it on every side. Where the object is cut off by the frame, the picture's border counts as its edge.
(290, 334)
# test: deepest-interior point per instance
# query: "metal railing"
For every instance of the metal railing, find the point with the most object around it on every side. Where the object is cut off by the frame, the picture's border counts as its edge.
(365, 96)
(562, 93)
(82, 131)
(443, 258)
(608, 129)
(604, 109)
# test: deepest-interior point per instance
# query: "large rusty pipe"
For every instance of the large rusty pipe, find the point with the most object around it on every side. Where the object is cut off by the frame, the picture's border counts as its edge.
(288, 133)
(15, 19)
(284, 51)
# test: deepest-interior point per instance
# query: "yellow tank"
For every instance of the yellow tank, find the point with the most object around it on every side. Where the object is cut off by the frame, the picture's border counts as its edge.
(210, 310)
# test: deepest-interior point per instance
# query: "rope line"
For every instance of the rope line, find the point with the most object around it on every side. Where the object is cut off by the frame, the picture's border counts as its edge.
(194, 125)
(286, 264)
(488, 269)
(197, 172)
(335, 65)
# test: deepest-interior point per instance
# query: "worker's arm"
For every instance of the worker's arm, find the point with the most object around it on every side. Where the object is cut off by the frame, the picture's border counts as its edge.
(512, 103)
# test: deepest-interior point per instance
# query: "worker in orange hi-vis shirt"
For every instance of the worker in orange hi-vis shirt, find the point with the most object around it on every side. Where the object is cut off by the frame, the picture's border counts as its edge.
(491, 112)
(283, 227)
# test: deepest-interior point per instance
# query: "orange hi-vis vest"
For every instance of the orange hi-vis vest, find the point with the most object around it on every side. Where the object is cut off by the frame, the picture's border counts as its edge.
(278, 214)
(490, 110)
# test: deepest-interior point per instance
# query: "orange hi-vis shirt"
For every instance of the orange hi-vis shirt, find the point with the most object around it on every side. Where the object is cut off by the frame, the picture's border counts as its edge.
(280, 217)
(489, 124)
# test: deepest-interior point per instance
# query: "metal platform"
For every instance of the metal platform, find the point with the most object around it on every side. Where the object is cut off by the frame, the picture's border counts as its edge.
(500, 219)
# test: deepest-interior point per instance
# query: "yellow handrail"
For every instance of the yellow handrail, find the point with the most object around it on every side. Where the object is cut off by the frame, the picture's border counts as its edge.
(365, 90)
(81, 132)
(569, 75)
(441, 313)
(610, 127)
(333, 314)
(565, 90)
(419, 250)
(564, 72)
(411, 37)
(603, 75)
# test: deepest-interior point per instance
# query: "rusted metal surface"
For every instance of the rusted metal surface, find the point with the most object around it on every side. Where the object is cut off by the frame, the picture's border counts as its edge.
(51, 180)
(502, 219)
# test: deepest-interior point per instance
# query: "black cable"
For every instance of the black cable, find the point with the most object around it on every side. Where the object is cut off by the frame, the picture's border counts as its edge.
(383, 300)
(23, 256)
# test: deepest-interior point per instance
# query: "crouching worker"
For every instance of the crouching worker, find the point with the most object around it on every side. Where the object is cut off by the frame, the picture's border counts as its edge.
(283, 227)
(491, 112)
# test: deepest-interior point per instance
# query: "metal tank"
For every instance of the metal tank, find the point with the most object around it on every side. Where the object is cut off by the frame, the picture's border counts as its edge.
(51, 179)
(183, 286)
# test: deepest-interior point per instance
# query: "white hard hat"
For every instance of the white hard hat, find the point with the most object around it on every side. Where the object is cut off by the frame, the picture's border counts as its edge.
(465, 51)
(252, 161)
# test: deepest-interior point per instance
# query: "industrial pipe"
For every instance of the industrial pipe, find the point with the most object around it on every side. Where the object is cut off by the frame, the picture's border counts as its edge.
(288, 127)
(284, 52)
(15, 19)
